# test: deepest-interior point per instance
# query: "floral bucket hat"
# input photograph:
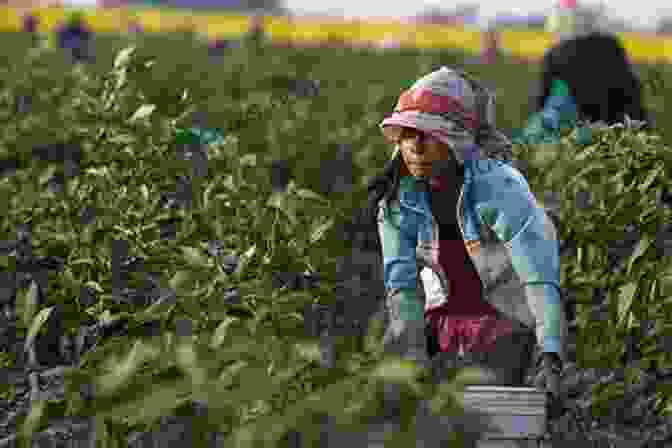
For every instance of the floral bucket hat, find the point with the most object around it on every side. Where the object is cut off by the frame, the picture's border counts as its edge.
(454, 108)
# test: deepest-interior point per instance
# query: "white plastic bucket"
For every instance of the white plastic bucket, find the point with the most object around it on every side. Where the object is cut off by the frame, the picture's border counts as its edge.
(516, 415)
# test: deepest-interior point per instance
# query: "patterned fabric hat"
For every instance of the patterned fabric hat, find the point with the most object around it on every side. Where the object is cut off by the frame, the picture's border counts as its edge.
(454, 108)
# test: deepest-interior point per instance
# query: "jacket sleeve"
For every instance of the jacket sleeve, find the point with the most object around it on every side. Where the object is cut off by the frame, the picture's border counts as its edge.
(398, 238)
(544, 126)
(512, 212)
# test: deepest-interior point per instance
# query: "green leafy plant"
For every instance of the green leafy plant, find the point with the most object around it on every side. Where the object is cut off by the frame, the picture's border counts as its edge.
(616, 240)
(183, 324)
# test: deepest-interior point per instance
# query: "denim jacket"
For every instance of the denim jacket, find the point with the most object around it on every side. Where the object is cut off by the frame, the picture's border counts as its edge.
(508, 236)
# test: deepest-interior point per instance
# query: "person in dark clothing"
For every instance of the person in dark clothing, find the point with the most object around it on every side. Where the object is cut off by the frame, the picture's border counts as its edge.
(76, 38)
(607, 94)
(30, 26)
(30, 23)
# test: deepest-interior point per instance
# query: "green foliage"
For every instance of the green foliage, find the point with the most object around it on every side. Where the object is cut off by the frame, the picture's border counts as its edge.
(249, 359)
(246, 354)
(625, 172)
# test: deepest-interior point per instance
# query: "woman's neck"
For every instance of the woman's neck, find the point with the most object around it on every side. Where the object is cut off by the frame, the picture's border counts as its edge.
(454, 176)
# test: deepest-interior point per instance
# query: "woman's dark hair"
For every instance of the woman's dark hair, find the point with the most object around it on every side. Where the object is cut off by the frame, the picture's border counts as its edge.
(606, 94)
(383, 186)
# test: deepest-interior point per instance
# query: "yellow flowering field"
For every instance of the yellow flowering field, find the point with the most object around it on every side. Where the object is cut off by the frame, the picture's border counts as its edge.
(524, 44)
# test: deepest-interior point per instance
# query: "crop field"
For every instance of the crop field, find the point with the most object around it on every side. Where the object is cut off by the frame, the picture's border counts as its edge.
(372, 89)
(167, 276)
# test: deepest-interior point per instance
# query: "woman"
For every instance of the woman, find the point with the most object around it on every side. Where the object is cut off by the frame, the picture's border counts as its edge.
(570, 92)
(598, 97)
(587, 95)
(467, 252)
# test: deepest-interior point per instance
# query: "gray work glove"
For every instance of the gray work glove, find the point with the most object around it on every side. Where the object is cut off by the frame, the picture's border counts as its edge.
(552, 368)
(407, 339)
(404, 338)
(552, 371)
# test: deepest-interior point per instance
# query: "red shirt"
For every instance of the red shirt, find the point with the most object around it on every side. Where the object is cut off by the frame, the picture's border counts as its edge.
(465, 285)
(466, 321)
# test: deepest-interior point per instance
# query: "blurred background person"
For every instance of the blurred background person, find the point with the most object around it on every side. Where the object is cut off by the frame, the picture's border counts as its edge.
(76, 38)
(607, 94)
(30, 26)
(256, 35)
(571, 90)
(490, 41)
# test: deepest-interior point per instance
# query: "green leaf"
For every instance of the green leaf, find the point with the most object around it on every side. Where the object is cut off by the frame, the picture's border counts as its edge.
(248, 159)
(221, 331)
(470, 375)
(625, 299)
(180, 281)
(207, 193)
(156, 401)
(95, 286)
(245, 260)
(123, 57)
(195, 257)
(398, 371)
(31, 302)
(320, 228)
(276, 200)
(187, 360)
(102, 431)
(230, 372)
(307, 351)
(31, 423)
(143, 111)
(123, 371)
(106, 317)
(309, 194)
(651, 177)
(86, 261)
(145, 192)
(35, 327)
(102, 171)
(47, 174)
(122, 139)
(166, 302)
(643, 244)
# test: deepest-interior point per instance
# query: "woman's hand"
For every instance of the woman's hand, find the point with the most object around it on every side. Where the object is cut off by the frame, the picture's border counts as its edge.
(407, 338)
(552, 370)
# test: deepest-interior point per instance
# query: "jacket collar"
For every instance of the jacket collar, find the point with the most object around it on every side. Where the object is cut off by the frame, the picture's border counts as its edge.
(411, 189)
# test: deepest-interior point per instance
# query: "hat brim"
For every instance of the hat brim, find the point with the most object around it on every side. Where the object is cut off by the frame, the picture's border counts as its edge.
(393, 126)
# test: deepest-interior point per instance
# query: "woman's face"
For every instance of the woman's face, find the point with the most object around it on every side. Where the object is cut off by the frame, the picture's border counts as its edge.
(420, 150)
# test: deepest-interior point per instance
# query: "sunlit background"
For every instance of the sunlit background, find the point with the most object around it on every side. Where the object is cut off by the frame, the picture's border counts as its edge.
(643, 14)
(519, 28)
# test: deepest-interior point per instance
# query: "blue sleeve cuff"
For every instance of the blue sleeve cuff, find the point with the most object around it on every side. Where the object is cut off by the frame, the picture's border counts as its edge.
(552, 344)
(407, 303)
